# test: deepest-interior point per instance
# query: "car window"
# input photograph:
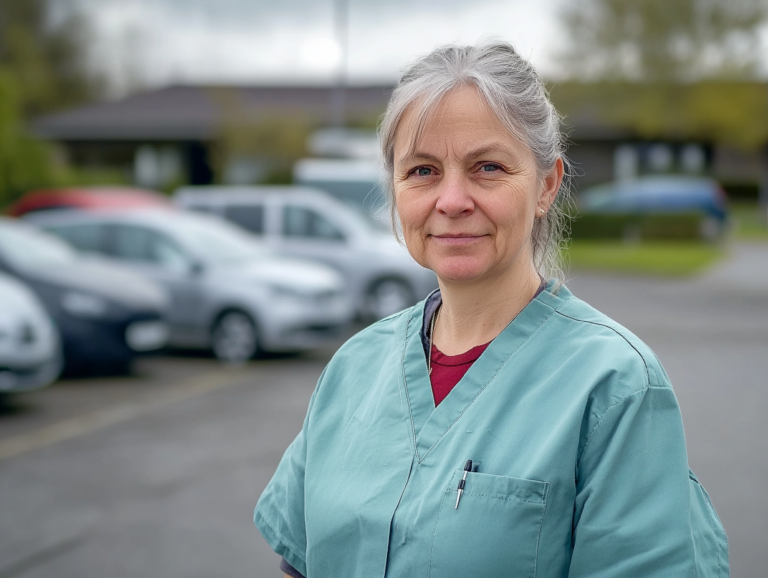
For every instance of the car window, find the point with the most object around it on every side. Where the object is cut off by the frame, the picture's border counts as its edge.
(250, 217)
(87, 237)
(300, 222)
(139, 244)
(26, 246)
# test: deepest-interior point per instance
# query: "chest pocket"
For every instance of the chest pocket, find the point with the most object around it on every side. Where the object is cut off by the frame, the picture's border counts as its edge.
(495, 530)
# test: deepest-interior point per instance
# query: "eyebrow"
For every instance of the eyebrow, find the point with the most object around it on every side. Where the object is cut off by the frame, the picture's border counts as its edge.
(478, 152)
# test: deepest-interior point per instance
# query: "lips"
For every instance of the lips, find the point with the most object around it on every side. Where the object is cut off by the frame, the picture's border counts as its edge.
(457, 238)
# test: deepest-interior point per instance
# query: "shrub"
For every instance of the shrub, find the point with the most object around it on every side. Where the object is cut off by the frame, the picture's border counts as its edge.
(639, 226)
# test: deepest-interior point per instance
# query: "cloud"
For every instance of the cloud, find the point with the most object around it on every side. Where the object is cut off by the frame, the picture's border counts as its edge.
(252, 41)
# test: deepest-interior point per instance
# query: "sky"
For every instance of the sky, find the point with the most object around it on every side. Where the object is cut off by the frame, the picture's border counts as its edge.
(148, 43)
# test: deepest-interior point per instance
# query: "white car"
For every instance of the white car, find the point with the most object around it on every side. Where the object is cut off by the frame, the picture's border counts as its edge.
(381, 276)
(228, 292)
(30, 350)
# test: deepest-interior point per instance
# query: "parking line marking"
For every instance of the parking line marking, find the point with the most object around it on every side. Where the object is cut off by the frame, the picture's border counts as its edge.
(88, 423)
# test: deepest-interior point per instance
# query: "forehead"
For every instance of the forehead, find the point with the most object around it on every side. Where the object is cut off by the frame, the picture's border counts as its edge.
(462, 115)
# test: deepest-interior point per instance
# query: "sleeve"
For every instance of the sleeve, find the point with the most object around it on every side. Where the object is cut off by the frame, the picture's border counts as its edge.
(279, 513)
(639, 510)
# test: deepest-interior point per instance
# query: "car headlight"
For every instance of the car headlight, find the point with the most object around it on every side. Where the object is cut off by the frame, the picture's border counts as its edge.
(306, 295)
(84, 304)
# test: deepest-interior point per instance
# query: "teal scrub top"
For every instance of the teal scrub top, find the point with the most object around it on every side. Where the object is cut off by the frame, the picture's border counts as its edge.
(580, 465)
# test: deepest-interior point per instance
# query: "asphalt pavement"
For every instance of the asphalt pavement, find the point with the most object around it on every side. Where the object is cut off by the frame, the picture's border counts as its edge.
(157, 474)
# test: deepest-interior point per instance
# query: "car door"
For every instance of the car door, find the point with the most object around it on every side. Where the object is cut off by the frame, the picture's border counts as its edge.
(156, 255)
(307, 232)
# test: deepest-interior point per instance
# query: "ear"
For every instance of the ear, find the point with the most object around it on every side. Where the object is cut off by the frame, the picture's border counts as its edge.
(550, 186)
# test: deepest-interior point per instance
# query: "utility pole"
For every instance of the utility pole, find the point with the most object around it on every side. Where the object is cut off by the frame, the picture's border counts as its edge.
(763, 198)
(339, 98)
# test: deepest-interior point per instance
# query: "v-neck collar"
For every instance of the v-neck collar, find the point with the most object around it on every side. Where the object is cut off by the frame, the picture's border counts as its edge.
(429, 423)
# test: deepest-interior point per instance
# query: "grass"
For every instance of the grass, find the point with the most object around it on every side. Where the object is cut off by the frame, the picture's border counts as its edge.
(670, 259)
(749, 222)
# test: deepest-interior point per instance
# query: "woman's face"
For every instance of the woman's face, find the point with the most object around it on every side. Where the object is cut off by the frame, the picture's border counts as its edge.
(468, 193)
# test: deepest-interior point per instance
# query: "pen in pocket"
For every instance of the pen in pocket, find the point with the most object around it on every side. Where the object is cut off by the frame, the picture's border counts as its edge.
(462, 481)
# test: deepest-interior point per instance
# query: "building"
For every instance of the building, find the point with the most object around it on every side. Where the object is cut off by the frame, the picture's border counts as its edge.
(171, 134)
(177, 134)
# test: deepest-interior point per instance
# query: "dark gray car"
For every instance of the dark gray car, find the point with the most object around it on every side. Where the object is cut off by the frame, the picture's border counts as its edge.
(105, 314)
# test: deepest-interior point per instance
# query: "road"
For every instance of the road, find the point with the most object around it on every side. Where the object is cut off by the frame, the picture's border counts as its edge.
(157, 474)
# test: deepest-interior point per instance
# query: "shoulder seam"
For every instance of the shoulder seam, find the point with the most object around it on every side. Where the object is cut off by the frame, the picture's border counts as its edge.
(642, 357)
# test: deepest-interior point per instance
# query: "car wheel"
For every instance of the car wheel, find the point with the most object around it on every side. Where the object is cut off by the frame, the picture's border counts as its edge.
(386, 297)
(234, 338)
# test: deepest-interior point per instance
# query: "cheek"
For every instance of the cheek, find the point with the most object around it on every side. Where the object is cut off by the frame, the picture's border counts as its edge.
(411, 209)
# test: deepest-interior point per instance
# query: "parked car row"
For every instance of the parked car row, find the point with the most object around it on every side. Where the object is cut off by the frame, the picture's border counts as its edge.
(93, 278)
(226, 291)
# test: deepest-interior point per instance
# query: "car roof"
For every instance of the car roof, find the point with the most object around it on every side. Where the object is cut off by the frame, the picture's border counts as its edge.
(87, 197)
(317, 170)
(149, 215)
(225, 194)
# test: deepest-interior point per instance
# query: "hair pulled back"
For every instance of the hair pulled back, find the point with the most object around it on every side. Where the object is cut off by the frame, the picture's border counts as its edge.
(516, 94)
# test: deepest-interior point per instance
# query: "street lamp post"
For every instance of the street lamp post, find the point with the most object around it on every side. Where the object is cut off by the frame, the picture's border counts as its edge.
(341, 29)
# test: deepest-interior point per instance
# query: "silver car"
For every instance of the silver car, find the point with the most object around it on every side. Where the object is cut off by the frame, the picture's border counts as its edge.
(30, 349)
(380, 275)
(228, 292)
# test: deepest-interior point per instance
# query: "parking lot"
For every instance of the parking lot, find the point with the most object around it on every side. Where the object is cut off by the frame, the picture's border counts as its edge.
(157, 474)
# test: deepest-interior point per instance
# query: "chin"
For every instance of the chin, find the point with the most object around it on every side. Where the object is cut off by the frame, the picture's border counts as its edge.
(458, 271)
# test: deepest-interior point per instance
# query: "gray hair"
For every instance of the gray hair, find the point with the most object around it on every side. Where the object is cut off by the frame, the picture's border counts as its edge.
(517, 96)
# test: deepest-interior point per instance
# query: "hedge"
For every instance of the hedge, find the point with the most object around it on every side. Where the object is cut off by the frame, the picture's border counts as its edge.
(640, 227)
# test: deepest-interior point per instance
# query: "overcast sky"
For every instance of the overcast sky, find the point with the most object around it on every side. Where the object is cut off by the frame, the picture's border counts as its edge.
(158, 42)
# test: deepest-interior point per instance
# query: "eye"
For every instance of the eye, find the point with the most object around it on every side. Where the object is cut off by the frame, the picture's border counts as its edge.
(489, 168)
(422, 172)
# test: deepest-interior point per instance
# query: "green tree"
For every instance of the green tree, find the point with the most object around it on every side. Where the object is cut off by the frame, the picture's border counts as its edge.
(662, 40)
(661, 69)
(43, 67)
(25, 162)
(47, 57)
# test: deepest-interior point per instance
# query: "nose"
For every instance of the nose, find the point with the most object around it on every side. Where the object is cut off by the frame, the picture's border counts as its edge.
(454, 196)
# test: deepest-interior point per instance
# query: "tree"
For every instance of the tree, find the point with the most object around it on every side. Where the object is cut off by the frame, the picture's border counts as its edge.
(42, 68)
(46, 56)
(25, 163)
(662, 41)
(679, 70)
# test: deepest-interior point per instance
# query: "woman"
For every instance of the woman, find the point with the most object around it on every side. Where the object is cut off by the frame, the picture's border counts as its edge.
(502, 427)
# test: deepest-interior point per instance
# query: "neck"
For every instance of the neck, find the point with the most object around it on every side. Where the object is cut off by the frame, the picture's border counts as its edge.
(474, 314)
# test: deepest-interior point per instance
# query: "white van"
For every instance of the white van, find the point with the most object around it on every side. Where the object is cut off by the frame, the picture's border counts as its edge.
(356, 182)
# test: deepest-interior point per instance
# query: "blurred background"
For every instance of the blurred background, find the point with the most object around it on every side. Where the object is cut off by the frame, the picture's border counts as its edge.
(193, 222)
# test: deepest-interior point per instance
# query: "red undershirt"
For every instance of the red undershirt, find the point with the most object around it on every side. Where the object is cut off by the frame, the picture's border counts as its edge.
(447, 370)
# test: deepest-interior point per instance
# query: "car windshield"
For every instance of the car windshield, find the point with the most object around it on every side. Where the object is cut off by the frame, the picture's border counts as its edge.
(24, 246)
(214, 242)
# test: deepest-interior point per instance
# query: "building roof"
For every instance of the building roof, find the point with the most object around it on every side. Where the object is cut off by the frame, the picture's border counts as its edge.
(198, 112)
(593, 111)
